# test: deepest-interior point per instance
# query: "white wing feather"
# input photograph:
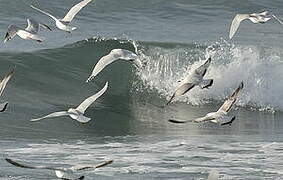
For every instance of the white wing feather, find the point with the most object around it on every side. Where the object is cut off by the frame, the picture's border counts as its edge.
(102, 63)
(55, 19)
(33, 26)
(86, 103)
(74, 10)
(55, 114)
(236, 23)
(5, 80)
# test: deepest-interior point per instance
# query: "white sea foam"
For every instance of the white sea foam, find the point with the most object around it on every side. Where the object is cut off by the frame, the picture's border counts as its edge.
(260, 68)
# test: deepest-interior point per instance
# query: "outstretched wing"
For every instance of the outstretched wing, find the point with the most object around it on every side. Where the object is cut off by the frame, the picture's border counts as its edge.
(74, 10)
(275, 17)
(31, 166)
(102, 63)
(236, 23)
(46, 13)
(227, 105)
(203, 68)
(33, 26)
(79, 168)
(86, 103)
(55, 114)
(5, 80)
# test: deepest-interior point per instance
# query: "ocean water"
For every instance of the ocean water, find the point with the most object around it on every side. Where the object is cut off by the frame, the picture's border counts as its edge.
(128, 123)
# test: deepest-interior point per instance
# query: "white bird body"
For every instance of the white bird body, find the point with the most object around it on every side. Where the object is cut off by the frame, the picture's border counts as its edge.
(194, 78)
(114, 55)
(78, 113)
(221, 116)
(29, 33)
(63, 24)
(254, 17)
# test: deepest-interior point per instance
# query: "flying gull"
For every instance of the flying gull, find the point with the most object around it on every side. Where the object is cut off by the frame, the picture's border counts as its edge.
(63, 24)
(62, 173)
(114, 55)
(254, 17)
(221, 116)
(29, 33)
(194, 78)
(213, 175)
(77, 113)
(3, 84)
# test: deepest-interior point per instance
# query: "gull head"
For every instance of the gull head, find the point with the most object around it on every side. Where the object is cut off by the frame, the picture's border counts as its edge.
(124, 54)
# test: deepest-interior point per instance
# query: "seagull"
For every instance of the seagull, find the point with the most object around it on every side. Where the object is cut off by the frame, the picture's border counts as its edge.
(213, 175)
(61, 173)
(29, 33)
(63, 24)
(3, 84)
(114, 55)
(221, 116)
(77, 113)
(194, 78)
(254, 17)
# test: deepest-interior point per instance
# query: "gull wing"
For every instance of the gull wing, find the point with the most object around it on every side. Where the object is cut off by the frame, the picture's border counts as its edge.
(86, 103)
(32, 167)
(45, 26)
(203, 68)
(236, 23)
(203, 119)
(275, 17)
(5, 80)
(180, 91)
(79, 168)
(55, 114)
(227, 105)
(3, 106)
(12, 31)
(74, 10)
(33, 26)
(102, 63)
(54, 18)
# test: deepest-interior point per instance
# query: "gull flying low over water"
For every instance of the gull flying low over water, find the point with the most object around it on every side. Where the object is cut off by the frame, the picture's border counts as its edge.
(63, 24)
(62, 173)
(78, 113)
(221, 116)
(3, 84)
(195, 78)
(29, 33)
(213, 175)
(254, 17)
(114, 55)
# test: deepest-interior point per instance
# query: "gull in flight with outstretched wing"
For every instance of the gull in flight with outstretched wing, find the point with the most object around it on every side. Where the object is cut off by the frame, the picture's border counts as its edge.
(62, 173)
(194, 78)
(29, 33)
(221, 116)
(77, 113)
(3, 84)
(114, 55)
(63, 24)
(254, 17)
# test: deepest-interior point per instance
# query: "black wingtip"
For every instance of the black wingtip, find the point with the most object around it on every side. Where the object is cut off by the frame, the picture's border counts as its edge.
(5, 107)
(176, 121)
(81, 178)
(230, 122)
